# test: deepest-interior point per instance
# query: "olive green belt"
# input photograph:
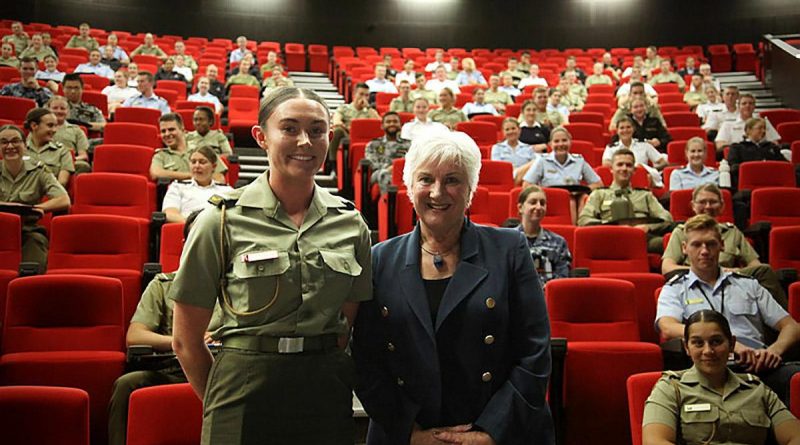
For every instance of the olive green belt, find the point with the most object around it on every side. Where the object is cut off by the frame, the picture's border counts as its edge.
(281, 345)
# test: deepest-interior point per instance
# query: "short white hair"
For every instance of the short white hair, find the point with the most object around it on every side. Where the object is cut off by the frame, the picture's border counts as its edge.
(444, 147)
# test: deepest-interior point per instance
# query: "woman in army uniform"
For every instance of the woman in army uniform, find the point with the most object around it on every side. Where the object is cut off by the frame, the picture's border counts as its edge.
(290, 264)
(27, 182)
(42, 125)
(203, 119)
(709, 404)
(70, 135)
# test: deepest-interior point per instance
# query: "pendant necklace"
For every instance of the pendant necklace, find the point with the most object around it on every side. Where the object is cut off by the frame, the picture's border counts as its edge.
(438, 257)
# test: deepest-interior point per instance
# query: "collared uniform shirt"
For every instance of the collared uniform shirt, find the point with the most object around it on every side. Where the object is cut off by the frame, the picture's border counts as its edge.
(188, 196)
(348, 112)
(381, 86)
(85, 112)
(693, 98)
(601, 79)
(733, 131)
(475, 77)
(216, 139)
(474, 107)
(380, 153)
(431, 96)
(744, 412)
(715, 120)
(20, 42)
(30, 185)
(560, 108)
(398, 105)
(89, 43)
(243, 79)
(547, 171)
(517, 156)
(99, 69)
(154, 102)
(9, 61)
(411, 77)
(736, 250)
(644, 153)
(668, 78)
(685, 178)
(530, 80)
(72, 137)
(176, 161)
(748, 307)
(155, 309)
(550, 119)
(706, 109)
(55, 76)
(197, 97)
(652, 110)
(511, 91)
(120, 53)
(448, 117)
(40, 95)
(311, 270)
(598, 208)
(39, 55)
(148, 51)
(437, 85)
(497, 97)
(237, 55)
(550, 254)
(415, 128)
(55, 156)
(117, 94)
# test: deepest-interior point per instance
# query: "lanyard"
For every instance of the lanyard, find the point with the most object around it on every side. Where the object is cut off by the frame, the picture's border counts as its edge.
(722, 299)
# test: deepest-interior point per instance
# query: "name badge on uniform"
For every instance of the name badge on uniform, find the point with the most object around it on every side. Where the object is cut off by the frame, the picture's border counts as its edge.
(607, 202)
(694, 301)
(552, 172)
(259, 256)
(697, 407)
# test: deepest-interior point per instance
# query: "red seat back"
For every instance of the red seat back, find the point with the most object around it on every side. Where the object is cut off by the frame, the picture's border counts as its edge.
(587, 132)
(44, 414)
(247, 91)
(63, 313)
(680, 205)
(686, 133)
(592, 309)
(178, 86)
(171, 246)
(558, 202)
(95, 242)
(778, 205)
(97, 99)
(243, 109)
(15, 108)
(790, 132)
(611, 249)
(365, 130)
(758, 174)
(783, 247)
(165, 414)
(639, 388)
(681, 119)
(676, 153)
(112, 194)
(781, 115)
(483, 133)
(139, 115)
(497, 176)
(10, 242)
(147, 135)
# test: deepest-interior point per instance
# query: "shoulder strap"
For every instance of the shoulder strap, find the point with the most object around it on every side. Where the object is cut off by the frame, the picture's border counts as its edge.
(678, 405)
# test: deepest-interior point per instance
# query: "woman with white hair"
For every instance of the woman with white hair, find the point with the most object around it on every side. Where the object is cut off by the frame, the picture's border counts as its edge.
(454, 346)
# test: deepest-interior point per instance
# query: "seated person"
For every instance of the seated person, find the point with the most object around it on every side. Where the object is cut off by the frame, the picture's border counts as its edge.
(275, 80)
(512, 69)
(25, 180)
(149, 48)
(83, 39)
(569, 97)
(651, 59)
(598, 76)
(109, 59)
(625, 89)
(79, 111)
(447, 114)
(37, 50)
(27, 87)
(183, 69)
(496, 97)
(695, 172)
(644, 152)
(216, 87)
(532, 79)
(379, 83)
(730, 112)
(420, 124)
(151, 325)
(667, 76)
(705, 71)
(478, 105)
(243, 76)
(93, 66)
(637, 91)
(357, 109)
(507, 85)
(736, 254)
(188, 60)
(469, 75)
(550, 119)
(18, 38)
(270, 64)
(689, 68)
(203, 119)
(187, 196)
(146, 97)
(712, 104)
(437, 62)
(240, 52)
(7, 57)
(42, 124)
(696, 94)
(402, 103)
(519, 154)
(551, 256)
(524, 64)
(555, 103)
(755, 147)
(119, 53)
(203, 94)
(644, 204)
(611, 63)
(50, 71)
(408, 74)
(576, 88)
(440, 81)
(748, 307)
(431, 96)
(572, 65)
(174, 160)
(167, 72)
(708, 341)
(532, 131)
(119, 92)
(731, 132)
(71, 136)
(560, 167)
(133, 72)
(648, 128)
(387, 62)
(380, 152)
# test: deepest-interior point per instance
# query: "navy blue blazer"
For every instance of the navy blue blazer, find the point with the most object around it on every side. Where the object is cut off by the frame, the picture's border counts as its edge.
(485, 361)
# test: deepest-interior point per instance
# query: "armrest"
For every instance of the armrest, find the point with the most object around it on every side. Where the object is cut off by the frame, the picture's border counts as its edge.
(161, 190)
(149, 271)
(558, 354)
(157, 220)
(759, 232)
(29, 268)
(580, 272)
(786, 276)
(362, 191)
(392, 210)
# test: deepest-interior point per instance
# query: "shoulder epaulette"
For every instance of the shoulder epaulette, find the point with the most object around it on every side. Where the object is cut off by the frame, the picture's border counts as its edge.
(680, 275)
(184, 181)
(751, 378)
(164, 277)
(218, 201)
(347, 203)
(673, 374)
(741, 275)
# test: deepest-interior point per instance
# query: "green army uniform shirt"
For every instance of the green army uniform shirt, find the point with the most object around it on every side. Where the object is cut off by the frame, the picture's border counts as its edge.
(693, 98)
(20, 43)
(736, 251)
(348, 112)
(85, 112)
(55, 156)
(72, 137)
(594, 79)
(398, 105)
(271, 82)
(598, 208)
(215, 139)
(155, 309)
(148, 51)
(293, 281)
(578, 90)
(550, 119)
(43, 52)
(744, 412)
(10, 61)
(267, 67)
(428, 95)
(176, 161)
(668, 78)
(497, 97)
(32, 183)
(243, 79)
(448, 117)
(89, 43)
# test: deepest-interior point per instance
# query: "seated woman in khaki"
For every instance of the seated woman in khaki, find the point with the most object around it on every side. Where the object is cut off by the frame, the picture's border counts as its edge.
(708, 403)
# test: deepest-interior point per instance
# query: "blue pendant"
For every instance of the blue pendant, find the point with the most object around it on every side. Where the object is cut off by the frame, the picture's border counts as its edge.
(438, 261)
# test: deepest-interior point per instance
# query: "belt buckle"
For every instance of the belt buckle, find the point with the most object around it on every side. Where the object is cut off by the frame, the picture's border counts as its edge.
(290, 345)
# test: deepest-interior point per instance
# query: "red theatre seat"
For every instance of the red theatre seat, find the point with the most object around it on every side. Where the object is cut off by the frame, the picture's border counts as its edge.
(680, 206)
(783, 248)
(772, 204)
(147, 135)
(759, 174)
(140, 115)
(558, 202)
(295, 56)
(365, 130)
(781, 115)
(44, 414)
(483, 133)
(65, 330)
(611, 249)
(639, 388)
(15, 108)
(171, 246)
(166, 414)
(318, 58)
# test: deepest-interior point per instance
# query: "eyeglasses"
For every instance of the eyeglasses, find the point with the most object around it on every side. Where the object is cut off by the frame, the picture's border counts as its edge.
(708, 202)
(7, 142)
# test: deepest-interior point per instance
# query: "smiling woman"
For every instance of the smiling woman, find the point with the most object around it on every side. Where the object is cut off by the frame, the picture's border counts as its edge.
(292, 263)
(434, 289)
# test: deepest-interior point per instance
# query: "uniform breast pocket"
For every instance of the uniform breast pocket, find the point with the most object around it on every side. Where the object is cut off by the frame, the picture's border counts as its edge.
(699, 426)
(341, 267)
(755, 427)
(255, 286)
(743, 307)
